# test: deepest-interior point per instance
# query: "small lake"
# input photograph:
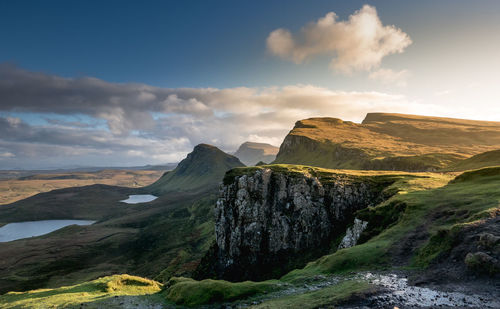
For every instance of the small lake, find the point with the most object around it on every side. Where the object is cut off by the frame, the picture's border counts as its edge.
(19, 230)
(139, 198)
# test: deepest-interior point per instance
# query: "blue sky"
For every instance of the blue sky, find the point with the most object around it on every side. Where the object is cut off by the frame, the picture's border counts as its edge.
(450, 68)
(209, 43)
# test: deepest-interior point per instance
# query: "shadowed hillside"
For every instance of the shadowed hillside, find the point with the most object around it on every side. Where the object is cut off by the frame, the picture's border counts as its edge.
(202, 169)
(387, 141)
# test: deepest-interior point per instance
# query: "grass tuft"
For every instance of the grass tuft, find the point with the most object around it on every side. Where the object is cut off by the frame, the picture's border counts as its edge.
(186, 291)
(326, 297)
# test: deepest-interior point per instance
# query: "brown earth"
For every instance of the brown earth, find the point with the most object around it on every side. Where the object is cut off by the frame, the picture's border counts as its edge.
(12, 190)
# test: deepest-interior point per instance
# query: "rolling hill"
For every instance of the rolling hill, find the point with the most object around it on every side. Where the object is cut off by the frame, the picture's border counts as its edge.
(485, 159)
(387, 142)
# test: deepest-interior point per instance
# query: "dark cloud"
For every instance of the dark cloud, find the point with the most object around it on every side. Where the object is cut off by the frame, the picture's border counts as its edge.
(155, 124)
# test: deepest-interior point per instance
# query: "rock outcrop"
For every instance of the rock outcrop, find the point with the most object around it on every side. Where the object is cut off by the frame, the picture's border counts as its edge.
(353, 233)
(270, 220)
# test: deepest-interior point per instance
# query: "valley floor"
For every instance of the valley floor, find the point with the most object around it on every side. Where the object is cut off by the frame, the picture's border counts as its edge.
(16, 189)
(438, 245)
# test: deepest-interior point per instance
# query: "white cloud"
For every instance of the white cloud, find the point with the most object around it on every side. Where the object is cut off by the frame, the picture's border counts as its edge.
(7, 155)
(358, 44)
(13, 121)
(390, 77)
(443, 92)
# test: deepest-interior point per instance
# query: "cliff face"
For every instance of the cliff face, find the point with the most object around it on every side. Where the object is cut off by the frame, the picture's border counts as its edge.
(271, 221)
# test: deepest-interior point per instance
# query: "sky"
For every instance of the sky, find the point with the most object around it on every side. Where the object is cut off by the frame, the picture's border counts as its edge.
(124, 83)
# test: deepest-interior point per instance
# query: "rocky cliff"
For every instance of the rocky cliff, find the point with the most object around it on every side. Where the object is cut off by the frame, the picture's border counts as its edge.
(274, 218)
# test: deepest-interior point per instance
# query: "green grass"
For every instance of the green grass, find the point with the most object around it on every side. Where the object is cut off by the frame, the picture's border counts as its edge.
(441, 211)
(326, 297)
(186, 291)
(485, 159)
(100, 290)
(170, 237)
(429, 161)
(202, 169)
(404, 181)
(359, 257)
(422, 200)
(387, 142)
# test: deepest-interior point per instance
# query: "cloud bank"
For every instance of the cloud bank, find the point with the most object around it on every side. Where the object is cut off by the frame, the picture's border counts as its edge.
(50, 120)
(357, 44)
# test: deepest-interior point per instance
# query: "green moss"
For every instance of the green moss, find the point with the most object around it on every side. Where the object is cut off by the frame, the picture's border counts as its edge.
(186, 291)
(482, 263)
(326, 297)
(478, 174)
(380, 218)
(437, 245)
(430, 161)
(332, 175)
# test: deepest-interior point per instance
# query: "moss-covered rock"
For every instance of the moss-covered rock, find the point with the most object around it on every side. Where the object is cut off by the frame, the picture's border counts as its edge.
(482, 262)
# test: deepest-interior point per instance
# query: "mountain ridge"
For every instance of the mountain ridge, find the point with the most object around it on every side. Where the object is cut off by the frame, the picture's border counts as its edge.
(202, 169)
(387, 141)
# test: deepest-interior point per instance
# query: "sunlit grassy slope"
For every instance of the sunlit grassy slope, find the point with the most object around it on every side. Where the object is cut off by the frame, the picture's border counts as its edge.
(106, 292)
(387, 141)
(485, 159)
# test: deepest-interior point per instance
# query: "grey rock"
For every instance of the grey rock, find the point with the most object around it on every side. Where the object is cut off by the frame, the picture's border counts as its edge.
(353, 233)
(266, 220)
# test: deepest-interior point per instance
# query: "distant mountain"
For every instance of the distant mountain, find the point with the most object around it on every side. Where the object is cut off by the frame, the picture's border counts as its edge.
(17, 173)
(388, 142)
(201, 170)
(250, 153)
(485, 159)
